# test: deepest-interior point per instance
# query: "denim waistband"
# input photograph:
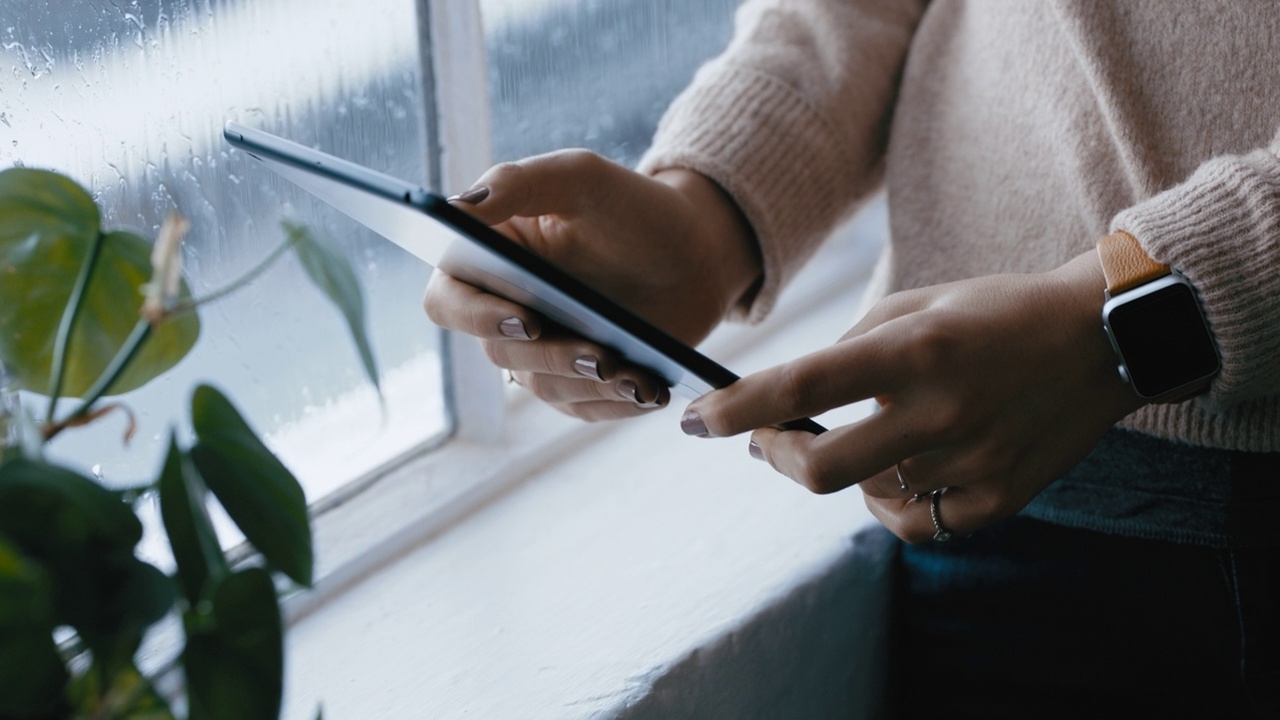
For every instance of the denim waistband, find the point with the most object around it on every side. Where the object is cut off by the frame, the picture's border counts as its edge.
(1142, 486)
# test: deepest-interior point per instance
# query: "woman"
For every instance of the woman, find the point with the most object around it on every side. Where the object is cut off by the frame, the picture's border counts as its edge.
(1111, 537)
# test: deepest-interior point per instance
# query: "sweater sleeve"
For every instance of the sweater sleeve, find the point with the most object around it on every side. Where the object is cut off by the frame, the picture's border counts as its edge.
(792, 121)
(1221, 229)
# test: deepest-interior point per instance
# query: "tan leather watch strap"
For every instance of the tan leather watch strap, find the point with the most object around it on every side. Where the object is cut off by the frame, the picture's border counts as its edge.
(1125, 264)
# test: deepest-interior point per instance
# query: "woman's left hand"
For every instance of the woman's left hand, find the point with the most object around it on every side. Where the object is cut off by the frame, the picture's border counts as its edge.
(990, 387)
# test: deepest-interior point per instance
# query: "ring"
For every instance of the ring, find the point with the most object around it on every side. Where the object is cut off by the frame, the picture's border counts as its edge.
(940, 533)
(902, 482)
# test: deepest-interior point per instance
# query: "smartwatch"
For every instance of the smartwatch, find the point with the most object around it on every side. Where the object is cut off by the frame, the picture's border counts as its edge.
(1152, 316)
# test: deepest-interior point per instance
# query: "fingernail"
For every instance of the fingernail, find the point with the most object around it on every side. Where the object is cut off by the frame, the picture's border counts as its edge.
(514, 328)
(691, 423)
(755, 450)
(474, 196)
(628, 390)
(588, 366)
(660, 400)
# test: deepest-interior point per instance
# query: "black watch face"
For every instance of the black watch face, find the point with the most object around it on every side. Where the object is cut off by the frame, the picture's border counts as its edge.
(1163, 340)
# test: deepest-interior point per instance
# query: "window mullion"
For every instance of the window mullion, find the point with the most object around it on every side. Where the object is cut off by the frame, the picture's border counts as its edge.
(461, 144)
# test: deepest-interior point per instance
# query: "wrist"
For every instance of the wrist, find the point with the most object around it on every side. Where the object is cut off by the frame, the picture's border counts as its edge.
(1084, 288)
(727, 249)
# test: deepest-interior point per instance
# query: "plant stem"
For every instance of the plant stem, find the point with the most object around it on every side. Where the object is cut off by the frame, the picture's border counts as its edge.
(190, 305)
(63, 341)
(123, 357)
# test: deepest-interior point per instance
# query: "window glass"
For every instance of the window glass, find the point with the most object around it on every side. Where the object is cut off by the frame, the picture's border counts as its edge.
(593, 73)
(129, 97)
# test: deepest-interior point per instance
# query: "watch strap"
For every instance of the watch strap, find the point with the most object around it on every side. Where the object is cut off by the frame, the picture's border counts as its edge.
(1125, 264)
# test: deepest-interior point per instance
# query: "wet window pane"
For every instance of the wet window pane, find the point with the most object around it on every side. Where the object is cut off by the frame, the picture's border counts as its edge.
(129, 98)
(593, 73)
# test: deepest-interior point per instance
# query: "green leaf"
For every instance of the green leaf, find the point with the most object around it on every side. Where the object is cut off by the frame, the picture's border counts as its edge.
(84, 535)
(256, 489)
(332, 273)
(30, 669)
(129, 597)
(47, 224)
(235, 671)
(186, 521)
(49, 510)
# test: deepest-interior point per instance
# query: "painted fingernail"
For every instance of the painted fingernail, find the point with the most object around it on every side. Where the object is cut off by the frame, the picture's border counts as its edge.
(659, 400)
(588, 366)
(514, 328)
(755, 450)
(629, 391)
(691, 423)
(474, 196)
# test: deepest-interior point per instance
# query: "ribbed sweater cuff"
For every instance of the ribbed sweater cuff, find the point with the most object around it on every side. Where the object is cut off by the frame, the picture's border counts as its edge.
(1221, 229)
(768, 149)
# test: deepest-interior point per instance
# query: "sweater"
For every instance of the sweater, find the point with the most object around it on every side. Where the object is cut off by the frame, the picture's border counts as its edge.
(1009, 136)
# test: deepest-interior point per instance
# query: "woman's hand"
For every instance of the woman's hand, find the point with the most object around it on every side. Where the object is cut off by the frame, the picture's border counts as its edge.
(672, 248)
(991, 388)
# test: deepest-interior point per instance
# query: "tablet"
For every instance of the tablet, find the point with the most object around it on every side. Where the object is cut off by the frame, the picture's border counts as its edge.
(449, 239)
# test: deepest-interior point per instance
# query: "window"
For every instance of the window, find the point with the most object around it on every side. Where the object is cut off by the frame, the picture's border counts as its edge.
(129, 98)
(593, 73)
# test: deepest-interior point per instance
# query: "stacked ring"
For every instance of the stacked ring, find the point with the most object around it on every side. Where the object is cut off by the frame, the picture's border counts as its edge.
(940, 532)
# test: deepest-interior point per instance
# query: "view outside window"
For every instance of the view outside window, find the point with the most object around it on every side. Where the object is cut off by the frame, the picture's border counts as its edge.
(593, 73)
(129, 97)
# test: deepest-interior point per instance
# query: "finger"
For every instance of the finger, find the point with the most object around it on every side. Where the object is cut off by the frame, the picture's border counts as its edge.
(960, 511)
(559, 183)
(923, 473)
(839, 375)
(564, 356)
(455, 305)
(604, 410)
(888, 308)
(560, 390)
(840, 457)
(907, 518)
(886, 484)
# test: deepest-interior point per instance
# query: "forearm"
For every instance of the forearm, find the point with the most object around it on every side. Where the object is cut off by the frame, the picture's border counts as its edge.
(792, 121)
(1084, 286)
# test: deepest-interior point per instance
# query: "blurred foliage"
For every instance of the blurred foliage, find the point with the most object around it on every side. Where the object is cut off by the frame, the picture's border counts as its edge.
(73, 324)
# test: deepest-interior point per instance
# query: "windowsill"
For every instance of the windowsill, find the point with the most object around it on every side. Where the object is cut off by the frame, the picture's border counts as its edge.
(594, 566)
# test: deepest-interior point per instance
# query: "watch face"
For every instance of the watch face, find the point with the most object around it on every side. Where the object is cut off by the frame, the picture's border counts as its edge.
(1162, 337)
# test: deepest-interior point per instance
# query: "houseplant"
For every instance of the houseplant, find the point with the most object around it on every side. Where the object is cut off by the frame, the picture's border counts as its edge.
(88, 313)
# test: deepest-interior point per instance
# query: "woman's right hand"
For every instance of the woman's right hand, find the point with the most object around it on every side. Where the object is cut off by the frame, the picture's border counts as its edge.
(673, 248)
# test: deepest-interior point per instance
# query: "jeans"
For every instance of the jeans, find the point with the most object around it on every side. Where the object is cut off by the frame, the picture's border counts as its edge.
(1033, 620)
(1144, 583)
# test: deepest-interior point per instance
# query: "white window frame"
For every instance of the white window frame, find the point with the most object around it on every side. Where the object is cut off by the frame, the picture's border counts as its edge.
(398, 504)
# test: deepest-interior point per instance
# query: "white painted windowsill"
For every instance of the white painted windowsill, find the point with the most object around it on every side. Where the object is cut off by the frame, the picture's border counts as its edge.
(617, 570)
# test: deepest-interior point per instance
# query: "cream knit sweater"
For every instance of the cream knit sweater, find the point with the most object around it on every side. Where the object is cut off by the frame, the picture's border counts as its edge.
(1009, 136)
